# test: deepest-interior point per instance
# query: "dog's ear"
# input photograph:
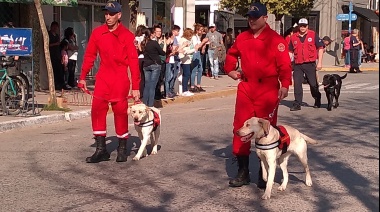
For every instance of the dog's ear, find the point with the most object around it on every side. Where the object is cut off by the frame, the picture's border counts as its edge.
(265, 124)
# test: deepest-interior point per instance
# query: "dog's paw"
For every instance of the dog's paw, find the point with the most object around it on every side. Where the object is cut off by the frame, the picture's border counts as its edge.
(329, 108)
(265, 196)
(282, 188)
(154, 152)
(309, 182)
(136, 158)
(336, 105)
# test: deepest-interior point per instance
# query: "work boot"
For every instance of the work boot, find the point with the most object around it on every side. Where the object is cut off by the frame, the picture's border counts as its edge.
(121, 150)
(296, 106)
(101, 153)
(261, 183)
(242, 177)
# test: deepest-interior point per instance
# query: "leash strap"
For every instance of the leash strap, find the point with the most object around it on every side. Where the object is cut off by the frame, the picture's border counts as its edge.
(271, 115)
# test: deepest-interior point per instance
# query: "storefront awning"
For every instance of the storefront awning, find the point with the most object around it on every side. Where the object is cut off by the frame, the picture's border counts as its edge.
(367, 14)
(46, 2)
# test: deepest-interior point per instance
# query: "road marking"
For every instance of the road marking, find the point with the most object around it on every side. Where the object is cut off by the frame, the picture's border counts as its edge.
(375, 87)
(357, 85)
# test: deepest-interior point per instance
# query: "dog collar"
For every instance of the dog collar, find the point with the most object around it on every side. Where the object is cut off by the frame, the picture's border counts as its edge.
(267, 146)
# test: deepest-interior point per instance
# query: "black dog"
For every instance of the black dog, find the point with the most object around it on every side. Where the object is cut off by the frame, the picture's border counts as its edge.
(332, 84)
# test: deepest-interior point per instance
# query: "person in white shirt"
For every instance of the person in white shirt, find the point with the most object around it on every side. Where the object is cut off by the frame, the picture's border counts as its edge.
(186, 51)
(197, 61)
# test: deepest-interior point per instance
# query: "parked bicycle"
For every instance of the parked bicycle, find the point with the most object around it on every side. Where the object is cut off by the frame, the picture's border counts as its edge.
(12, 94)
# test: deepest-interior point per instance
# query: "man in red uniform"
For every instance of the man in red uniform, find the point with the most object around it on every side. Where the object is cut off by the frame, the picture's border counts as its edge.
(307, 47)
(115, 45)
(265, 62)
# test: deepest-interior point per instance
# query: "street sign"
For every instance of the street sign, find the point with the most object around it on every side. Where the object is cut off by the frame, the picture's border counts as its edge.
(345, 17)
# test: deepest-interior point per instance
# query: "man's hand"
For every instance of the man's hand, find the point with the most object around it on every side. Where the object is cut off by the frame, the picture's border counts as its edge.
(82, 85)
(319, 66)
(282, 93)
(235, 75)
(136, 95)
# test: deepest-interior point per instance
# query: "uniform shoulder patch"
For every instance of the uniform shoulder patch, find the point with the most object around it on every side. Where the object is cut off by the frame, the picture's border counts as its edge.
(281, 47)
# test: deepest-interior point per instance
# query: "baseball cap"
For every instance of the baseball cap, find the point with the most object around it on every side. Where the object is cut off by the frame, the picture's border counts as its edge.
(113, 7)
(303, 21)
(257, 10)
(211, 26)
(327, 38)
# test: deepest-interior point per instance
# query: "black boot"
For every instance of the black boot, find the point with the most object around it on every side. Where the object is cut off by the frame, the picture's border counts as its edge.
(101, 153)
(261, 183)
(242, 177)
(121, 150)
(317, 103)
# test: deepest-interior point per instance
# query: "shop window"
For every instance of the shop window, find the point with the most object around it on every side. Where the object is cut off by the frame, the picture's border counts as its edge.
(80, 19)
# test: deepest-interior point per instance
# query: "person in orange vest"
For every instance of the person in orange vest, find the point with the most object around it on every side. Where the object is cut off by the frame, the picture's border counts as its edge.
(265, 79)
(306, 47)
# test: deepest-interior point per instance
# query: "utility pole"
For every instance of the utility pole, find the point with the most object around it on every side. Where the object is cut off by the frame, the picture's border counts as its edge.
(350, 9)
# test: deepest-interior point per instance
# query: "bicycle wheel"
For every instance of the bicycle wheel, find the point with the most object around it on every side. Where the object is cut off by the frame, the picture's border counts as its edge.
(12, 96)
(25, 81)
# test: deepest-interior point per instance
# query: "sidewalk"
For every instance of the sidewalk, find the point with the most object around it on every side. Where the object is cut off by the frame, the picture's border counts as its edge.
(224, 86)
(363, 67)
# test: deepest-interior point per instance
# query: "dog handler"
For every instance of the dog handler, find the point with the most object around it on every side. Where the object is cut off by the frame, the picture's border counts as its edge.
(307, 47)
(115, 45)
(265, 64)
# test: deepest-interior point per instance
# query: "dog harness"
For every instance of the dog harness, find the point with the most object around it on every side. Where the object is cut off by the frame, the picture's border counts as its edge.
(282, 143)
(155, 122)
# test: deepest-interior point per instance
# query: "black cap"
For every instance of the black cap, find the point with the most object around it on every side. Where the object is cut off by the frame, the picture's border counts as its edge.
(113, 7)
(327, 38)
(257, 10)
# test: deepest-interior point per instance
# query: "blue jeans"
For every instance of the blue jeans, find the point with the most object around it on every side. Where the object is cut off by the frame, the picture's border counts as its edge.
(214, 63)
(170, 77)
(197, 69)
(151, 74)
(347, 58)
(360, 57)
(186, 69)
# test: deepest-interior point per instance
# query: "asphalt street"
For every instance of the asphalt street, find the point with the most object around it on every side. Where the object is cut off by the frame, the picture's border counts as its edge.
(43, 167)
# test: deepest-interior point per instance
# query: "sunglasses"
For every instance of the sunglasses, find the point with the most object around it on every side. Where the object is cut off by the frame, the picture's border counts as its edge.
(303, 25)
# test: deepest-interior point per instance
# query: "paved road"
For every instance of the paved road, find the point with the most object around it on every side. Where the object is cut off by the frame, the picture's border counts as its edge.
(43, 167)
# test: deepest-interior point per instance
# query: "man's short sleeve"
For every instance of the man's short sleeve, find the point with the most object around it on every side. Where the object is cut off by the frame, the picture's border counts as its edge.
(290, 46)
(318, 42)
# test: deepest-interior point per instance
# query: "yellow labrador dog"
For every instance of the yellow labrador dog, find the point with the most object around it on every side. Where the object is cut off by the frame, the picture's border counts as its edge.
(266, 141)
(147, 124)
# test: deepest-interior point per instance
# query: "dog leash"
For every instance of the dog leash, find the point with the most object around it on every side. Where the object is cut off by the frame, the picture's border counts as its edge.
(81, 86)
(271, 115)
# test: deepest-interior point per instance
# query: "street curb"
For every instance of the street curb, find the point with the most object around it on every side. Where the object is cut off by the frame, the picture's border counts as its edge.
(346, 69)
(46, 119)
(71, 116)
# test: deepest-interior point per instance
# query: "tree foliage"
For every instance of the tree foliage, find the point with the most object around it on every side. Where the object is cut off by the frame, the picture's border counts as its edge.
(279, 8)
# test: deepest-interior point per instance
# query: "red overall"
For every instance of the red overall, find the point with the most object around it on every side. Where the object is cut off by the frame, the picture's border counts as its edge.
(117, 52)
(265, 62)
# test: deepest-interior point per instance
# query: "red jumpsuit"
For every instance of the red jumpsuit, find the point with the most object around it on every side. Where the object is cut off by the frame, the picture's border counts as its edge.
(265, 62)
(117, 52)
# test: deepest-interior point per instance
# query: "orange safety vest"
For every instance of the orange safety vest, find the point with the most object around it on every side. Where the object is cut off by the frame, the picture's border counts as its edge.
(306, 51)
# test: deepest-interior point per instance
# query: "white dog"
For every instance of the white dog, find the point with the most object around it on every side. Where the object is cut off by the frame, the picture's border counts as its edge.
(267, 140)
(147, 124)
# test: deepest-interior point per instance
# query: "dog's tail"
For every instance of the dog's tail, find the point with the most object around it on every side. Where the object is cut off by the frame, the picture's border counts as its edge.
(308, 139)
(344, 76)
